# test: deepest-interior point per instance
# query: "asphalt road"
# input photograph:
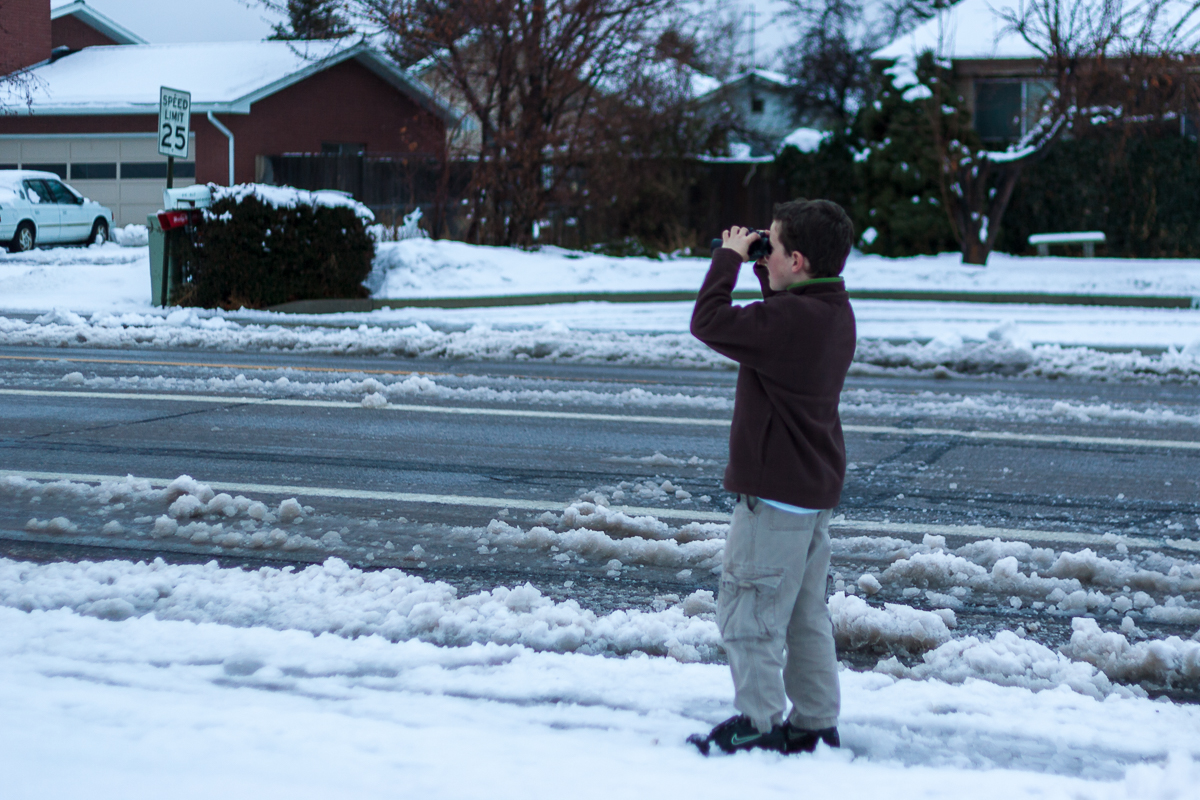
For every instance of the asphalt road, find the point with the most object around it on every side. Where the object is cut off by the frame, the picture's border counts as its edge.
(1055, 463)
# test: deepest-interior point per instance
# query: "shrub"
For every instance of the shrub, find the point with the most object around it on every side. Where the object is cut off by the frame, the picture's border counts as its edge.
(260, 246)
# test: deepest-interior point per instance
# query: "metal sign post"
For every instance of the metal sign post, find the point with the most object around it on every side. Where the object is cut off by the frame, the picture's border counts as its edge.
(174, 128)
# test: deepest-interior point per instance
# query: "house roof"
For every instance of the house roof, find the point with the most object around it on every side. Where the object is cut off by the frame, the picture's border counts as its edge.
(93, 18)
(976, 30)
(759, 76)
(225, 77)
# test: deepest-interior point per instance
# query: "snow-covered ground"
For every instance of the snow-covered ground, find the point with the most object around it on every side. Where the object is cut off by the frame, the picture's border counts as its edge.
(332, 682)
(115, 280)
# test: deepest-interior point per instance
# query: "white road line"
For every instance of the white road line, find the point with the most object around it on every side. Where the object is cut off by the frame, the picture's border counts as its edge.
(888, 430)
(463, 410)
(1051, 438)
(972, 532)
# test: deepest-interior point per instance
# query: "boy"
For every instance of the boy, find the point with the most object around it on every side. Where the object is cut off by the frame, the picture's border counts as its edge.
(787, 462)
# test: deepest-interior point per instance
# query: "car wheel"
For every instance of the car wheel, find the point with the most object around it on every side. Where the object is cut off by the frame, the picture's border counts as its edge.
(99, 232)
(24, 239)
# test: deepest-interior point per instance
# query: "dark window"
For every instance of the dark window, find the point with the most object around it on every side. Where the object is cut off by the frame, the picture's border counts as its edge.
(342, 149)
(998, 110)
(156, 169)
(8, 166)
(58, 169)
(756, 105)
(93, 172)
(37, 191)
(62, 195)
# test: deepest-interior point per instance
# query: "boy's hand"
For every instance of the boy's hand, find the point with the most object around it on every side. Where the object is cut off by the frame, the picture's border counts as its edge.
(739, 240)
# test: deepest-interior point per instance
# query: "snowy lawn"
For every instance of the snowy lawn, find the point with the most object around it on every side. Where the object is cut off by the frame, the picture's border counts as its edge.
(109, 704)
(114, 279)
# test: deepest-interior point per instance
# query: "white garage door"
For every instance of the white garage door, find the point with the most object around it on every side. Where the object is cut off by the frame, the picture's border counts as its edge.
(122, 171)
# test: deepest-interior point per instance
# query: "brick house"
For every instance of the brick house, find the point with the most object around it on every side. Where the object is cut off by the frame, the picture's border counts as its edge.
(94, 112)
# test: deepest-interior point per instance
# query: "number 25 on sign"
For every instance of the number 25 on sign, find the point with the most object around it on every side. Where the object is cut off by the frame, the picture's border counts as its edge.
(174, 122)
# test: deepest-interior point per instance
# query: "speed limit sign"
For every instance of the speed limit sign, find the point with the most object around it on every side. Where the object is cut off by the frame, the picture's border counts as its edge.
(174, 122)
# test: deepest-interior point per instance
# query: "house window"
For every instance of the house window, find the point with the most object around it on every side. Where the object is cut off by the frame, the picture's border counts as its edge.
(58, 169)
(756, 105)
(1005, 110)
(93, 172)
(156, 169)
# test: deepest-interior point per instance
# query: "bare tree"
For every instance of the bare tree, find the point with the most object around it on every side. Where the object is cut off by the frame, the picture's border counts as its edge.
(1107, 63)
(830, 60)
(529, 73)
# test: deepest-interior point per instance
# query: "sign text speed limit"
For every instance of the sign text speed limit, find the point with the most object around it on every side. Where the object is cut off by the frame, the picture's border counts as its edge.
(174, 122)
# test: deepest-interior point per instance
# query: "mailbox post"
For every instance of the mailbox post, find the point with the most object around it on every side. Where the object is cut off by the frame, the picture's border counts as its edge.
(181, 211)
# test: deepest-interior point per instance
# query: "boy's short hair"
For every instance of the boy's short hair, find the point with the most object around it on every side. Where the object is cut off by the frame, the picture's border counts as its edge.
(820, 229)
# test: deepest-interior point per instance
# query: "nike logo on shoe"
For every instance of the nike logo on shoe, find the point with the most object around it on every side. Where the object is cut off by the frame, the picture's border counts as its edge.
(738, 739)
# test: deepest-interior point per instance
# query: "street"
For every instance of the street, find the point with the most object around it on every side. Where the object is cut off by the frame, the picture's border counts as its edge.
(414, 480)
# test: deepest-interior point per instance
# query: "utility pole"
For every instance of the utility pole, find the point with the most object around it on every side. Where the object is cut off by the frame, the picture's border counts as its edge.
(753, 27)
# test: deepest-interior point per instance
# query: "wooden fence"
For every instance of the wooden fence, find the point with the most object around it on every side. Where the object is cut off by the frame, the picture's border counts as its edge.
(719, 194)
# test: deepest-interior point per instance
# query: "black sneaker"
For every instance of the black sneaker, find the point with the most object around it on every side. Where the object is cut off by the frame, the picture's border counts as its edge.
(738, 733)
(800, 740)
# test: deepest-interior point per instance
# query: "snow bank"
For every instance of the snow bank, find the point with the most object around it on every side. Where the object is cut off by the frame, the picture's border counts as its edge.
(404, 388)
(131, 235)
(334, 598)
(557, 342)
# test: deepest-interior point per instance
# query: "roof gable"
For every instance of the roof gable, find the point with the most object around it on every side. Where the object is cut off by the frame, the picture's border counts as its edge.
(94, 19)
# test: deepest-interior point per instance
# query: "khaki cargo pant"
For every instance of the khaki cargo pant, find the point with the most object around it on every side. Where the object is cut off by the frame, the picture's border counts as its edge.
(773, 618)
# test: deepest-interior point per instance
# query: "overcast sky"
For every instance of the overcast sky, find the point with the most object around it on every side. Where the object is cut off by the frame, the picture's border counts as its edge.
(160, 21)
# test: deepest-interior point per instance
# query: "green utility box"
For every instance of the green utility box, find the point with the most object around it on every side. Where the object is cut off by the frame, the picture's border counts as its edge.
(164, 259)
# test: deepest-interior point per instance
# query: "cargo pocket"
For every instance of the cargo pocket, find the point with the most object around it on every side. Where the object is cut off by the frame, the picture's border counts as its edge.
(747, 607)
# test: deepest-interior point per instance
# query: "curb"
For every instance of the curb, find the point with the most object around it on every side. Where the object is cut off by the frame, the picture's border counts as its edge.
(334, 306)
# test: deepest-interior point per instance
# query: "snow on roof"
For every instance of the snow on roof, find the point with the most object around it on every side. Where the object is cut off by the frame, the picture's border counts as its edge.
(221, 76)
(976, 29)
(970, 29)
(11, 178)
(777, 78)
(90, 16)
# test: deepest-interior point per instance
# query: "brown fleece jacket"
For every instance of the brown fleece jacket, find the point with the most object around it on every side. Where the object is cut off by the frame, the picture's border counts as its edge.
(794, 348)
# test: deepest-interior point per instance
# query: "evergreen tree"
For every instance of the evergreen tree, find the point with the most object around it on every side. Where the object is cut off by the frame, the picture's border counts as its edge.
(313, 19)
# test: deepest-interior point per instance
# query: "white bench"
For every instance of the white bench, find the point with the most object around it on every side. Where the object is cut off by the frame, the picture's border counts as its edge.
(1088, 239)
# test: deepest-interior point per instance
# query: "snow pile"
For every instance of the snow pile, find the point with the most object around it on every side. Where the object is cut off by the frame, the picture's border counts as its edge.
(859, 626)
(131, 235)
(950, 354)
(643, 541)
(1165, 662)
(1007, 660)
(334, 598)
(289, 197)
(194, 512)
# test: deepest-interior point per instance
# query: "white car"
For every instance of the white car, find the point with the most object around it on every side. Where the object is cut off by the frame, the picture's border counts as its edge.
(36, 208)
